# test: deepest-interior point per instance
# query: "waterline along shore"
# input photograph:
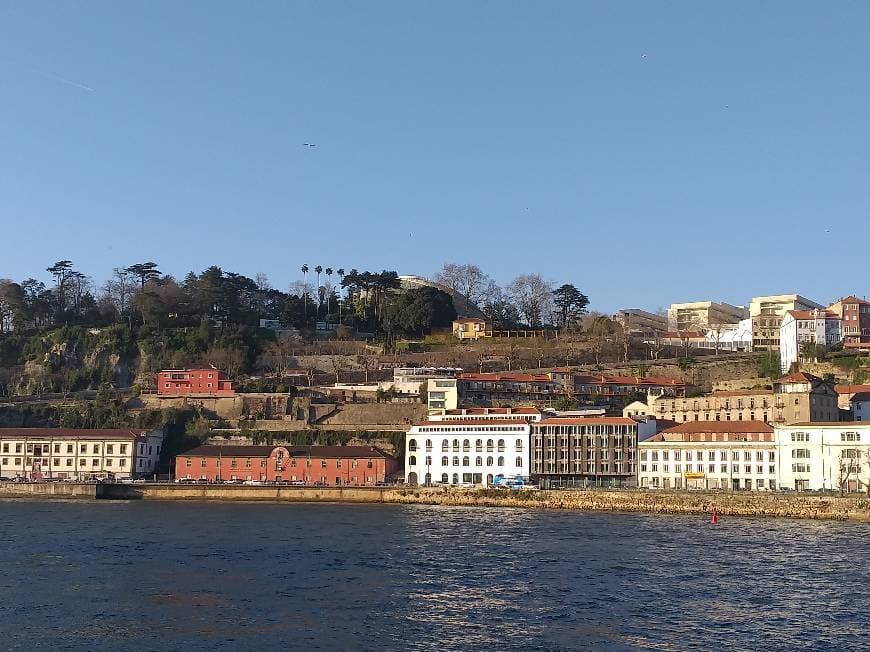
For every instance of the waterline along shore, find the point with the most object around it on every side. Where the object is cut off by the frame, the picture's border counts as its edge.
(797, 505)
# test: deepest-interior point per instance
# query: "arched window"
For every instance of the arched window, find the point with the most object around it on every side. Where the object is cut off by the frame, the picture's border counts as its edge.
(412, 460)
(519, 462)
(466, 445)
(465, 461)
(445, 446)
(478, 461)
(445, 461)
(501, 445)
(412, 445)
(489, 445)
(455, 460)
(489, 460)
(478, 445)
(428, 460)
(519, 444)
(455, 445)
(500, 460)
(428, 444)
(455, 478)
(445, 478)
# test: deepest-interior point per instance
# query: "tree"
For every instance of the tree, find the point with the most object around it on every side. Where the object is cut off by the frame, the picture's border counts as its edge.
(318, 270)
(533, 297)
(337, 362)
(602, 332)
(498, 309)
(305, 279)
(466, 280)
(144, 272)
(227, 360)
(61, 271)
(419, 310)
(570, 304)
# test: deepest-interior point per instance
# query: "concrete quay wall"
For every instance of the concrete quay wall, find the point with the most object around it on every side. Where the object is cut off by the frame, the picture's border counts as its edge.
(47, 490)
(726, 504)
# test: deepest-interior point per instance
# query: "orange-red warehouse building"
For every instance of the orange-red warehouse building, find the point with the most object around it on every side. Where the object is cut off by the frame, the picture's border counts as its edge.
(194, 382)
(321, 465)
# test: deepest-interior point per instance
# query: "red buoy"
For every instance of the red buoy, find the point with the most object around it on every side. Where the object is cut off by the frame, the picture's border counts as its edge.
(715, 519)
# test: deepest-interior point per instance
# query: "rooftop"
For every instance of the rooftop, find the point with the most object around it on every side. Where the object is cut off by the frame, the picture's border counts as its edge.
(511, 377)
(589, 421)
(721, 426)
(475, 422)
(72, 433)
(229, 450)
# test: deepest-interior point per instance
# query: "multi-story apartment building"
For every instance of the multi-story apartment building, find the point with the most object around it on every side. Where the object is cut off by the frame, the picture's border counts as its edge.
(635, 321)
(824, 456)
(801, 327)
(71, 454)
(505, 388)
(855, 314)
(330, 466)
(442, 393)
(595, 388)
(469, 451)
(584, 451)
(701, 315)
(718, 337)
(766, 314)
(194, 382)
(733, 455)
(794, 399)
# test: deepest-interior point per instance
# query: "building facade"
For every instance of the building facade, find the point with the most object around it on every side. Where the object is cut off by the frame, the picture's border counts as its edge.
(802, 327)
(824, 456)
(331, 466)
(584, 451)
(701, 315)
(194, 382)
(710, 455)
(493, 389)
(766, 314)
(442, 394)
(468, 452)
(635, 321)
(82, 455)
(794, 399)
(855, 315)
(487, 414)
(469, 328)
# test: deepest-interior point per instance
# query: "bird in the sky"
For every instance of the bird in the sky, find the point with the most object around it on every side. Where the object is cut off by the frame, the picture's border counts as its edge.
(309, 145)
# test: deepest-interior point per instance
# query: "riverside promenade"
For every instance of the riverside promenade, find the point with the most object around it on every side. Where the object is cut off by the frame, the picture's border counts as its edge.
(788, 504)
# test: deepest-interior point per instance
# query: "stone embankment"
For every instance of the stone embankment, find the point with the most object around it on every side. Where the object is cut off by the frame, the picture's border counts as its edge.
(789, 505)
(737, 504)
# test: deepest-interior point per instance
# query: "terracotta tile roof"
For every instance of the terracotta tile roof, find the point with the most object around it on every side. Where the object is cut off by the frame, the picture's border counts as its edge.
(475, 422)
(509, 377)
(721, 426)
(465, 320)
(591, 379)
(72, 433)
(853, 299)
(809, 314)
(330, 452)
(851, 389)
(800, 377)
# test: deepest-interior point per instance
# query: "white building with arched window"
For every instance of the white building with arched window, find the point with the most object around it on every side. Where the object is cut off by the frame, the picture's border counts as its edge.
(470, 452)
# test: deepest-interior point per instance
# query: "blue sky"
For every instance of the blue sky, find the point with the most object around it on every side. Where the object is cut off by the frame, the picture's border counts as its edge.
(647, 152)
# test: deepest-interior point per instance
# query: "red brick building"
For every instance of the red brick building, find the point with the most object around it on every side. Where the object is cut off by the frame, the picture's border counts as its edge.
(194, 382)
(855, 314)
(330, 466)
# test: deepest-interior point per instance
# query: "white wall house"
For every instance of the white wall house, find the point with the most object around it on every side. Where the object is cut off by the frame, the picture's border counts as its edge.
(74, 454)
(725, 455)
(466, 452)
(830, 456)
(806, 327)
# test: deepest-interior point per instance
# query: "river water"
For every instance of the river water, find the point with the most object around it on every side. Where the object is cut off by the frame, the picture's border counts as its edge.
(204, 576)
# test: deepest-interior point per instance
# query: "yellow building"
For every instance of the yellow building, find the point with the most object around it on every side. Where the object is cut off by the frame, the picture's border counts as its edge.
(469, 328)
(766, 314)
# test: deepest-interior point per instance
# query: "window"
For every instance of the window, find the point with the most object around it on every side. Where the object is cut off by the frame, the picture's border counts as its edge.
(445, 461)
(412, 445)
(478, 461)
(455, 460)
(501, 461)
(123, 449)
(519, 462)
(233, 464)
(338, 464)
(95, 462)
(465, 461)
(428, 444)
(501, 445)
(188, 463)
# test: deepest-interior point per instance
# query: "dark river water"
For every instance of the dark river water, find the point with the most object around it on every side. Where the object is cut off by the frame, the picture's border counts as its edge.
(202, 576)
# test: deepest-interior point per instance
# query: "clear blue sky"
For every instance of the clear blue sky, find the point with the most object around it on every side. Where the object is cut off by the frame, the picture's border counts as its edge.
(648, 152)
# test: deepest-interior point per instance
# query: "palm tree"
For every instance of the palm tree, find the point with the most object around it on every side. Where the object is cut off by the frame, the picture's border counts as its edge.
(340, 272)
(318, 269)
(305, 295)
(328, 271)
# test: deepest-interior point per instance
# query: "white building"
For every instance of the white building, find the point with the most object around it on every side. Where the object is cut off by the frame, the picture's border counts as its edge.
(833, 456)
(466, 452)
(799, 327)
(730, 455)
(70, 454)
(859, 404)
(442, 394)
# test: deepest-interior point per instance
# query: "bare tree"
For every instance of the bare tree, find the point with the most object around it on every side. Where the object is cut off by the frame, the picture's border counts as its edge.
(466, 279)
(227, 360)
(511, 356)
(337, 362)
(119, 291)
(369, 363)
(533, 297)
(262, 282)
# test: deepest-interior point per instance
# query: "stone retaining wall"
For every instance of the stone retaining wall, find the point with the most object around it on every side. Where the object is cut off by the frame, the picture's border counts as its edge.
(47, 490)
